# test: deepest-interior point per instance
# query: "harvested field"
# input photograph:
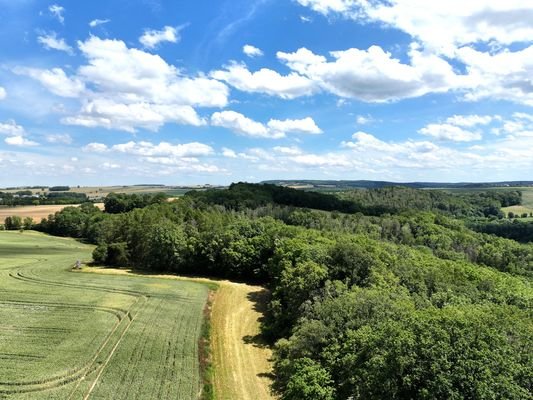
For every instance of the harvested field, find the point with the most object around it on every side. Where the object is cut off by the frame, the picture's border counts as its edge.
(35, 212)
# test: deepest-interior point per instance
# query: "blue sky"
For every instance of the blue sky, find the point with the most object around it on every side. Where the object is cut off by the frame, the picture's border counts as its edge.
(179, 92)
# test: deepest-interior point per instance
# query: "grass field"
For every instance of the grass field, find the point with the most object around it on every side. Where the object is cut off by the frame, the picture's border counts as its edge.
(35, 212)
(71, 335)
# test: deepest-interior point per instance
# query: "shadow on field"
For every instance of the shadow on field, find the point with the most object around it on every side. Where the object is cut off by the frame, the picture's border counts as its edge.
(259, 299)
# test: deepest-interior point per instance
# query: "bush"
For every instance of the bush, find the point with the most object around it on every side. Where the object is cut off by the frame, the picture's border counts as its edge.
(13, 223)
(100, 254)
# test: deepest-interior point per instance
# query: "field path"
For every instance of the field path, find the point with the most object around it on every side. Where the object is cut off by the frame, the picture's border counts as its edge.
(241, 361)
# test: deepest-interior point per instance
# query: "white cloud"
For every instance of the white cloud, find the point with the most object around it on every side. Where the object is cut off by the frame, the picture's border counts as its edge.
(96, 148)
(96, 22)
(130, 89)
(291, 151)
(62, 138)
(305, 125)
(55, 80)
(252, 51)
(266, 81)
(148, 149)
(373, 75)
(450, 133)
(274, 129)
(20, 141)
(11, 128)
(442, 26)
(229, 153)
(57, 11)
(240, 124)
(132, 75)
(50, 41)
(193, 149)
(127, 117)
(152, 38)
(505, 75)
(108, 165)
(469, 120)
(3, 93)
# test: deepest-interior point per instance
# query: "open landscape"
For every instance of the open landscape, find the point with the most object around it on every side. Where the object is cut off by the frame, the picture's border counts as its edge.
(266, 200)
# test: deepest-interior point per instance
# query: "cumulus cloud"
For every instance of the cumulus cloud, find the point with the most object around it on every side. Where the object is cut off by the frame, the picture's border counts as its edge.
(11, 128)
(305, 125)
(469, 120)
(96, 22)
(20, 141)
(126, 88)
(449, 132)
(55, 80)
(127, 117)
(274, 129)
(373, 75)
(266, 81)
(229, 153)
(505, 75)
(50, 41)
(3, 93)
(442, 26)
(252, 51)
(152, 38)
(57, 11)
(180, 157)
(240, 124)
(194, 149)
(455, 29)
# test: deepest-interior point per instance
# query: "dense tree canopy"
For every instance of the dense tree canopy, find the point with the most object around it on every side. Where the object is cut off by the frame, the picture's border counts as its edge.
(398, 305)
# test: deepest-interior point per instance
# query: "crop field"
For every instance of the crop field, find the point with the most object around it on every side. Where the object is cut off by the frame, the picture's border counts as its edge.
(35, 212)
(71, 335)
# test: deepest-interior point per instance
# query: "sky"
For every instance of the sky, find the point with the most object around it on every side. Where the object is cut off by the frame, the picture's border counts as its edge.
(218, 91)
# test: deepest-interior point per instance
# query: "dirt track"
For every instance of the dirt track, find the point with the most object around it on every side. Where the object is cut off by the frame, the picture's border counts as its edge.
(241, 361)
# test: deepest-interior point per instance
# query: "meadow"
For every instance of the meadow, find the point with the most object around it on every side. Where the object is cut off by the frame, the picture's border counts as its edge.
(71, 335)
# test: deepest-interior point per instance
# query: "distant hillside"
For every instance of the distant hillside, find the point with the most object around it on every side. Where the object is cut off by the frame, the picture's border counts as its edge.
(364, 184)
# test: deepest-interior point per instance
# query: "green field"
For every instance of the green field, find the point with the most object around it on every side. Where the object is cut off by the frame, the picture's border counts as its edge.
(71, 335)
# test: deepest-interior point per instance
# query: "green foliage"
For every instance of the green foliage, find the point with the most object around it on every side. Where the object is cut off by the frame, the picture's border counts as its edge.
(309, 382)
(119, 203)
(13, 223)
(407, 302)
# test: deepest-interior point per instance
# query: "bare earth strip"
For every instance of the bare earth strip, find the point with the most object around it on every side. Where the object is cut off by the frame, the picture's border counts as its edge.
(242, 367)
(35, 212)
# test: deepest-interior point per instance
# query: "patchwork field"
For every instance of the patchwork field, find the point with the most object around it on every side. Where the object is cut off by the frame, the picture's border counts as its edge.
(70, 335)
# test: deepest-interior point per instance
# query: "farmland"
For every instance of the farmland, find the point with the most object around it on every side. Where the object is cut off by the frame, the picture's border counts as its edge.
(35, 212)
(69, 335)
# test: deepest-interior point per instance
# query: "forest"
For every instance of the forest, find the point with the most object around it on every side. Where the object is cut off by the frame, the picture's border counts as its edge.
(390, 293)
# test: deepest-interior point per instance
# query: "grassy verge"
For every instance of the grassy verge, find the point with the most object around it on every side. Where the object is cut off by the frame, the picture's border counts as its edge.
(205, 351)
